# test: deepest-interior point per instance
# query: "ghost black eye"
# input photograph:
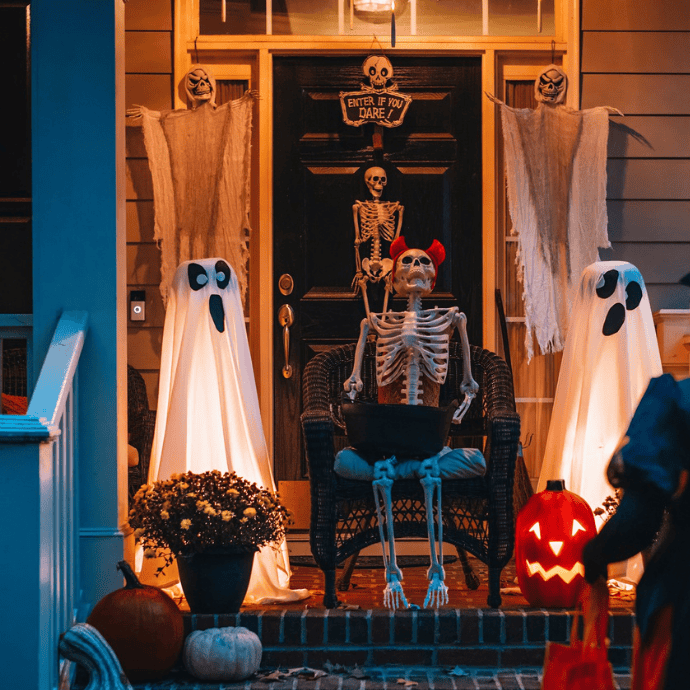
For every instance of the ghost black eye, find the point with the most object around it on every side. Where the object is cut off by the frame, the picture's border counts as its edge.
(425, 260)
(222, 274)
(633, 295)
(197, 276)
(406, 260)
(610, 279)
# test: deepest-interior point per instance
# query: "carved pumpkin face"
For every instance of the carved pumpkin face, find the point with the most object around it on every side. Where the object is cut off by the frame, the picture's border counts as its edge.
(551, 531)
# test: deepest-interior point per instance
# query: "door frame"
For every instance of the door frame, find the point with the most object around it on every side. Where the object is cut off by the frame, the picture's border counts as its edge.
(237, 56)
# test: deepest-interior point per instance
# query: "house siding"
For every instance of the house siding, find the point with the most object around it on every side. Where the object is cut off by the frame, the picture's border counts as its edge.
(636, 57)
(148, 82)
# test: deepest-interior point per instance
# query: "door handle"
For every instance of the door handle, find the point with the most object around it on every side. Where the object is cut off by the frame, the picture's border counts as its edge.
(286, 317)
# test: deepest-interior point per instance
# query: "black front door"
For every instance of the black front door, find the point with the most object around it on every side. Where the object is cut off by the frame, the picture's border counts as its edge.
(433, 167)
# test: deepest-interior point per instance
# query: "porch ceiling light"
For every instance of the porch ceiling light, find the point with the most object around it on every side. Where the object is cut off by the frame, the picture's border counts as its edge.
(378, 11)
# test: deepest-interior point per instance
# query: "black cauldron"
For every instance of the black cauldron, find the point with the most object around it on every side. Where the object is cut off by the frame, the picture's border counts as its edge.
(406, 431)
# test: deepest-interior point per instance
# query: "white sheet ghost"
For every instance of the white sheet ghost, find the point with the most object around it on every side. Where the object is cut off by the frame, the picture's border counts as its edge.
(610, 355)
(208, 409)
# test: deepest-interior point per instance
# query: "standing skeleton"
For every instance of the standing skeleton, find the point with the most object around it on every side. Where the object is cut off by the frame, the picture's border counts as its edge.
(375, 220)
(411, 364)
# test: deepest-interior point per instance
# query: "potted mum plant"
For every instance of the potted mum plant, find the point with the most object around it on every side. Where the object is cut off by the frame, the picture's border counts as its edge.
(212, 523)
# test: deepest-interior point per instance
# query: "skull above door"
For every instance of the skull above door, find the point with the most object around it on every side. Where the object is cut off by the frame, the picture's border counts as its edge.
(378, 70)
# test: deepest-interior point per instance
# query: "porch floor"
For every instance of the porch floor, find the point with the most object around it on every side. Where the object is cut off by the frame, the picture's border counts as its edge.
(367, 584)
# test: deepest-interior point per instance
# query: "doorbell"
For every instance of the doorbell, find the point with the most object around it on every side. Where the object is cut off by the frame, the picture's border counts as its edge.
(137, 305)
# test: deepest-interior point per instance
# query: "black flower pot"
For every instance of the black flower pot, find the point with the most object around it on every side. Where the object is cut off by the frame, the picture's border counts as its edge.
(216, 581)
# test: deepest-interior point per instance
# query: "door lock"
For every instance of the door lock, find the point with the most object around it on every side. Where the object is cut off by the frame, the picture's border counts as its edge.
(286, 284)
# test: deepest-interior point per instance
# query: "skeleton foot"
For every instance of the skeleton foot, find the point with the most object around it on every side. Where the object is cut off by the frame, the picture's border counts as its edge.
(393, 595)
(437, 593)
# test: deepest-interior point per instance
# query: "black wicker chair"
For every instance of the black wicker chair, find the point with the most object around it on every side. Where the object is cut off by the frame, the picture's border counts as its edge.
(141, 423)
(477, 513)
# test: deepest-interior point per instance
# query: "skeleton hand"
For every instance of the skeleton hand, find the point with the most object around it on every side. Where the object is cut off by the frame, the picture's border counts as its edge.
(437, 593)
(135, 112)
(352, 386)
(393, 595)
(462, 409)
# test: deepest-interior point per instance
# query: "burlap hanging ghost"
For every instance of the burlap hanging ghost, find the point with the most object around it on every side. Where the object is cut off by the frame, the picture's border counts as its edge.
(199, 160)
(556, 177)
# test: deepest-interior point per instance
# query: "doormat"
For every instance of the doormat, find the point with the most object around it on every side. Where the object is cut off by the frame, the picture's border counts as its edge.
(374, 562)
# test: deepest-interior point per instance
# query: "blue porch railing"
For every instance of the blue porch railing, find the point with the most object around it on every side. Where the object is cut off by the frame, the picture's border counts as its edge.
(38, 457)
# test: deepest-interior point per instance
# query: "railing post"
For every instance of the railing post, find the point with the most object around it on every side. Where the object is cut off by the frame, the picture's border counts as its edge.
(27, 567)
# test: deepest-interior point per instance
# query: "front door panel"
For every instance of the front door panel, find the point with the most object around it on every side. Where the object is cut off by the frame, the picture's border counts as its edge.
(433, 164)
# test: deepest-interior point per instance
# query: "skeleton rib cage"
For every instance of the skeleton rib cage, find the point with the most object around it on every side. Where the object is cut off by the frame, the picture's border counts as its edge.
(377, 220)
(428, 334)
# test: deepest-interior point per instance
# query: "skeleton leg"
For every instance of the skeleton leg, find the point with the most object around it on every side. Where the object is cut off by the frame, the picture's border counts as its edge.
(437, 593)
(393, 595)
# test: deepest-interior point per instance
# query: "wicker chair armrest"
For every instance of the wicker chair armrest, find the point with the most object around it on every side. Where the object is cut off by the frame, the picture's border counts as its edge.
(318, 430)
(502, 442)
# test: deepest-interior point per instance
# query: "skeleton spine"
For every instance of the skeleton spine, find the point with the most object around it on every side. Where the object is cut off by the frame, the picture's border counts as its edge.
(412, 388)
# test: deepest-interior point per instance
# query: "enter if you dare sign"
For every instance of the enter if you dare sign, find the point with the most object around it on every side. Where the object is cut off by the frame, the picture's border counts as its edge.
(378, 101)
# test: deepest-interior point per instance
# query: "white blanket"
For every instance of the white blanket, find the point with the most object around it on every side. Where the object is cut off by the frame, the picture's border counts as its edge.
(208, 409)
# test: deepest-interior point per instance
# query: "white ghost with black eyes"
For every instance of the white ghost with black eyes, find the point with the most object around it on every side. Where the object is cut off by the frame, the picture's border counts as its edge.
(611, 353)
(208, 410)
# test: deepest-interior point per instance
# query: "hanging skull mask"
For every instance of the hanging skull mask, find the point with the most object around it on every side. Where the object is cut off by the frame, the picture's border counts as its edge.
(378, 70)
(375, 179)
(550, 86)
(200, 87)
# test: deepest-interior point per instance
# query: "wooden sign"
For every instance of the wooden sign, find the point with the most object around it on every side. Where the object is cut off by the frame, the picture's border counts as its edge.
(377, 101)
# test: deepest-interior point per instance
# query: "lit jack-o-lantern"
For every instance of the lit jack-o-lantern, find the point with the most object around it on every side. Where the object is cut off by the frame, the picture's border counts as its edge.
(550, 533)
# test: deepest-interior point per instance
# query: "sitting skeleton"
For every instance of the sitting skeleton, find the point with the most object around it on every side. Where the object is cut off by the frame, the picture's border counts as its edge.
(412, 357)
(375, 221)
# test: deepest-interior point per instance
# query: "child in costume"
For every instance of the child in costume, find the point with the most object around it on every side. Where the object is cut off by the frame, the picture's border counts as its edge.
(651, 467)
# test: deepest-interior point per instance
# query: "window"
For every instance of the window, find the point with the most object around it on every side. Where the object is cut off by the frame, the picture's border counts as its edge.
(373, 17)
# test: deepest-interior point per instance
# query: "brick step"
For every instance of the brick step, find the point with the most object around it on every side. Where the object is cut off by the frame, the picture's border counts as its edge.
(472, 638)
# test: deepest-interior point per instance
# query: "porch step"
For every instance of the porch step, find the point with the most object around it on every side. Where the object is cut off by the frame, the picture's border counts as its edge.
(469, 638)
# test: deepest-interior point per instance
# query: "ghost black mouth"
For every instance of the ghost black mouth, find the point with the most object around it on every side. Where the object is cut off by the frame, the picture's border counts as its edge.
(215, 307)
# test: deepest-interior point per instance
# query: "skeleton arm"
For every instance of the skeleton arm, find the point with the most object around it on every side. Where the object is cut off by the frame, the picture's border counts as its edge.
(358, 237)
(469, 385)
(400, 209)
(353, 385)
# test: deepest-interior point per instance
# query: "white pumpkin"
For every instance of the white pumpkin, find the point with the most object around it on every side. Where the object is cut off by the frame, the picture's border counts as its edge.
(222, 654)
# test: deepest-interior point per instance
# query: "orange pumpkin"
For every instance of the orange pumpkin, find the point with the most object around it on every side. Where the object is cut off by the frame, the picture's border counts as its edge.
(550, 533)
(143, 625)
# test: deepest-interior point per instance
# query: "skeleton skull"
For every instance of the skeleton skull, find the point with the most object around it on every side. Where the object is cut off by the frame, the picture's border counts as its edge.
(376, 180)
(414, 272)
(200, 86)
(550, 85)
(378, 70)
